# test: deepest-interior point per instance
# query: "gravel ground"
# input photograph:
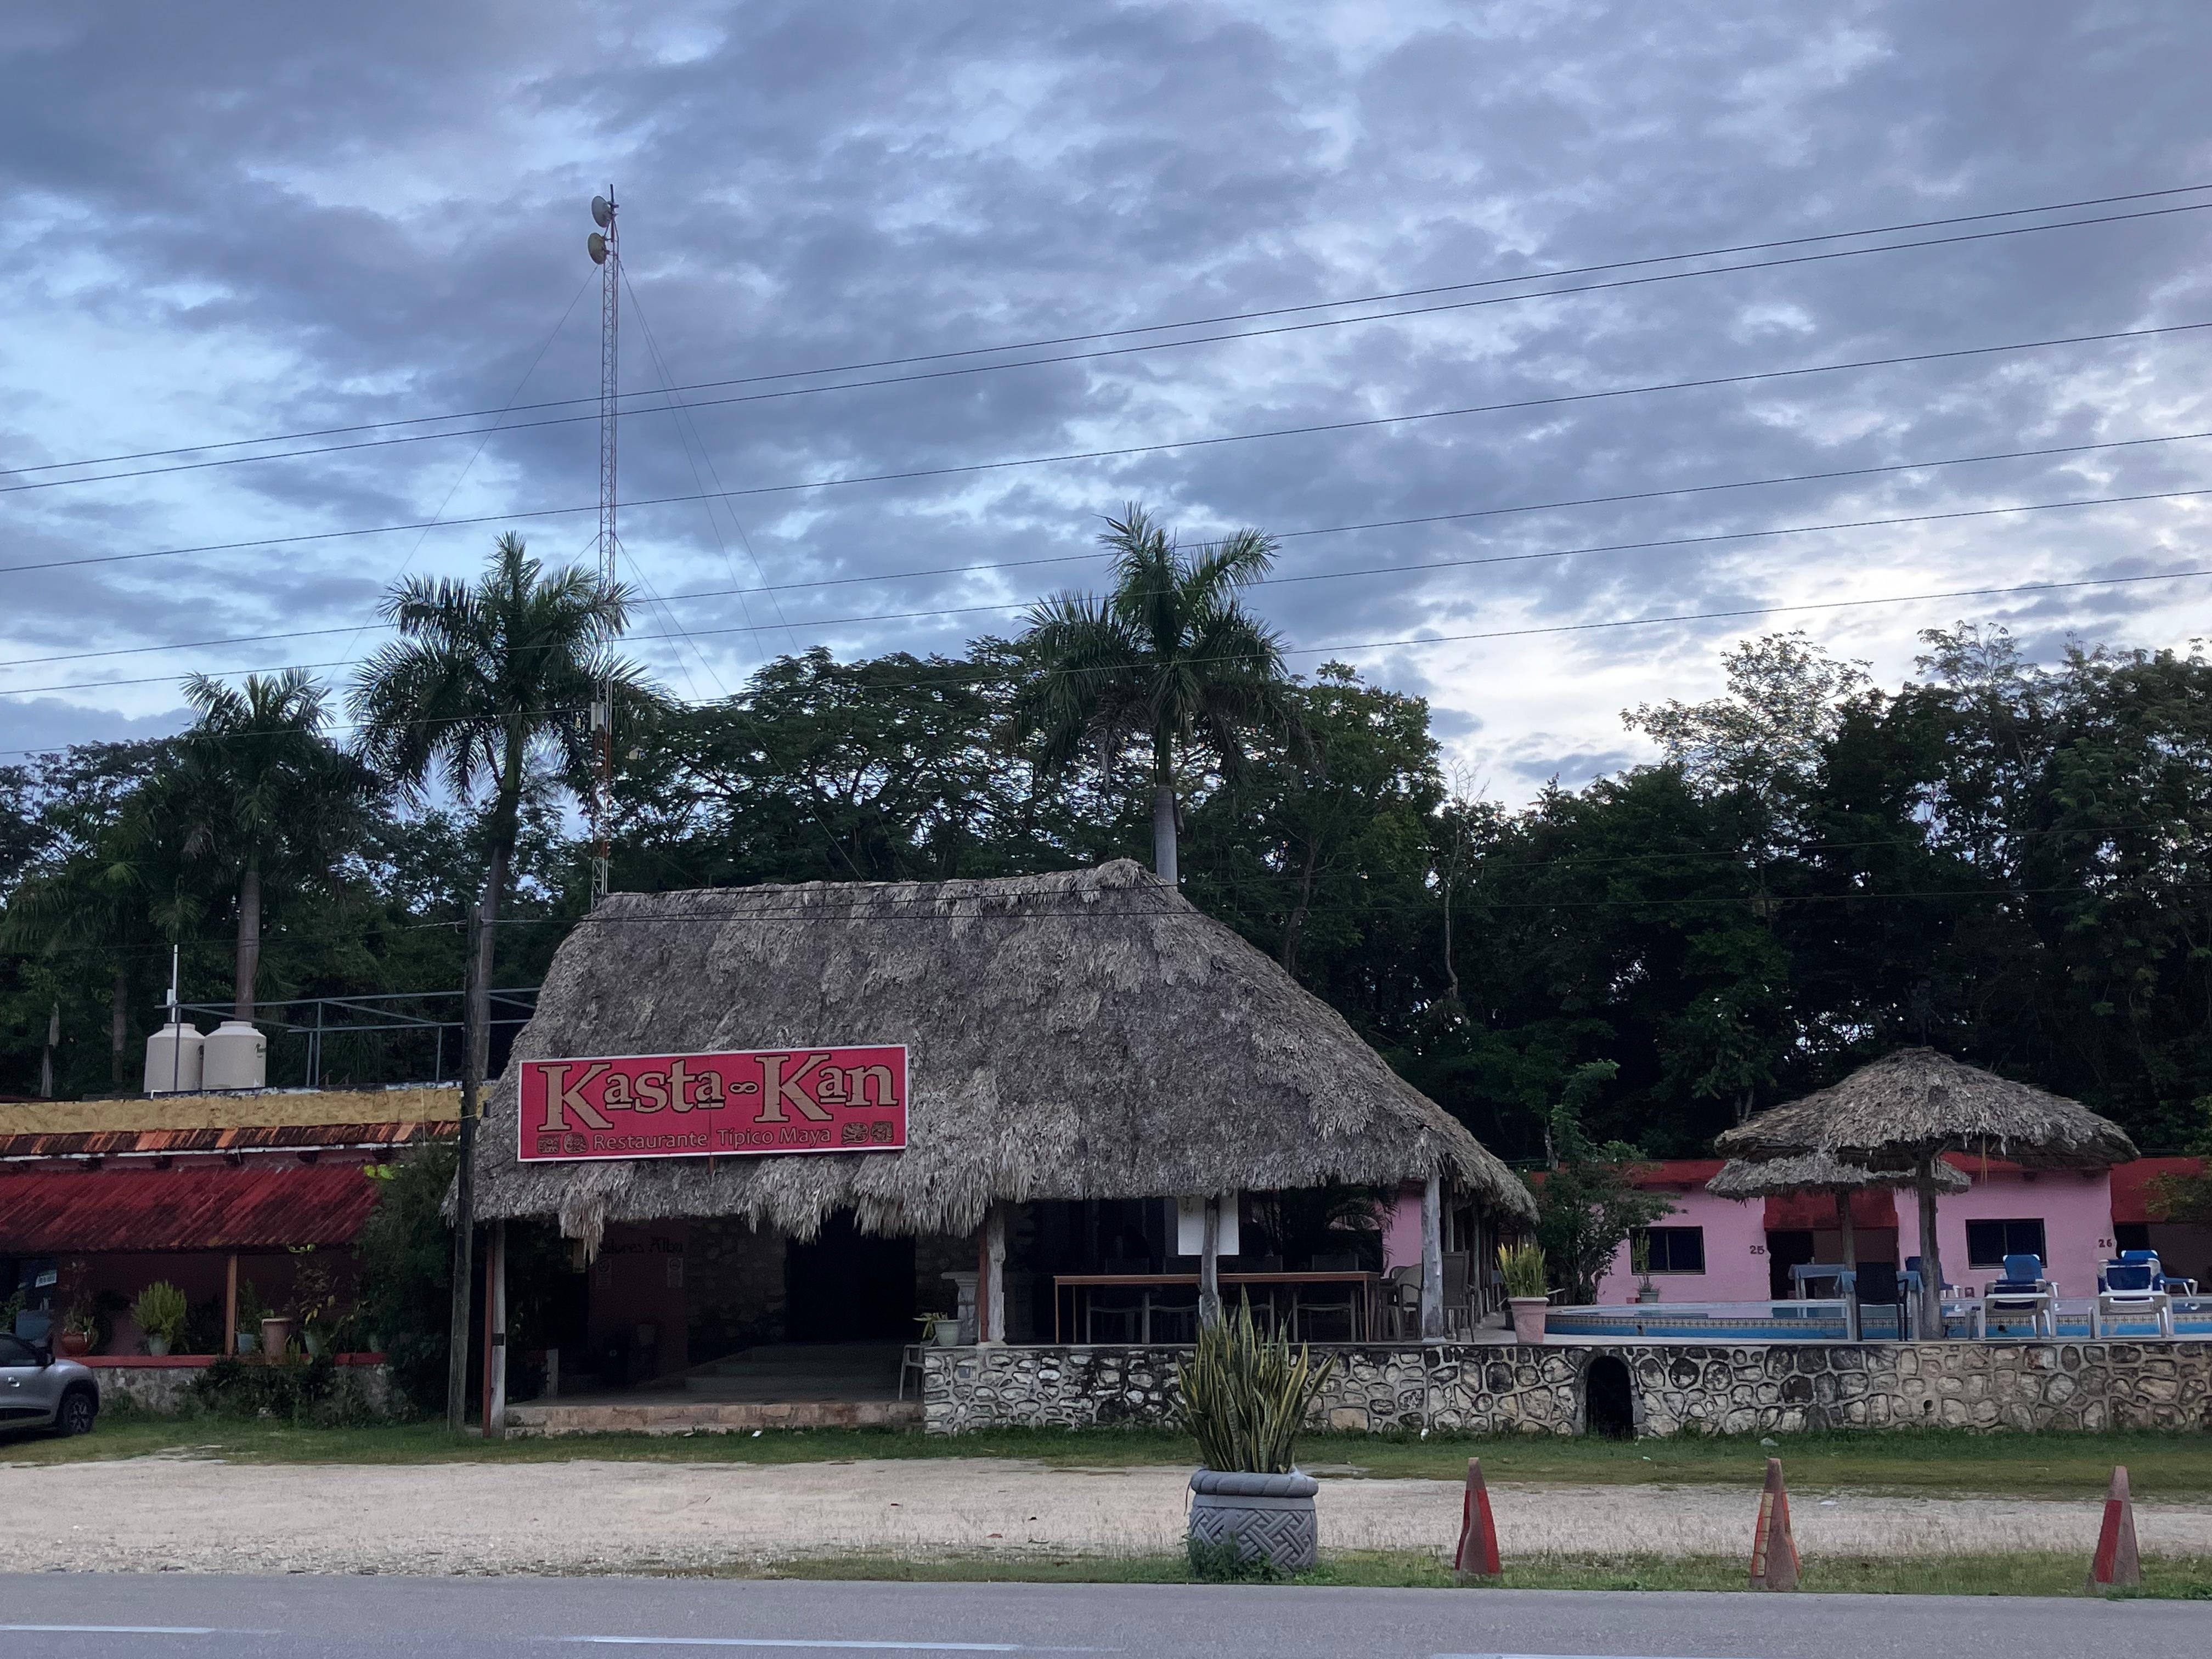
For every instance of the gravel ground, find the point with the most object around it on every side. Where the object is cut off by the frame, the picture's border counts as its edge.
(183, 1514)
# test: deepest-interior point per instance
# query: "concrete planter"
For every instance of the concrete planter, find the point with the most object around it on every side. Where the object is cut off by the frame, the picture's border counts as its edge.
(1529, 1317)
(1269, 1517)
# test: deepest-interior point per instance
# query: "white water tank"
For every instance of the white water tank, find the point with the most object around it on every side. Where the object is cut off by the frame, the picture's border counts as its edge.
(173, 1060)
(234, 1056)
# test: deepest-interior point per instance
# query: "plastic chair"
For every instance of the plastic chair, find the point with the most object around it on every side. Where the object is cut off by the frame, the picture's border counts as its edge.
(1401, 1305)
(910, 1360)
(2023, 1290)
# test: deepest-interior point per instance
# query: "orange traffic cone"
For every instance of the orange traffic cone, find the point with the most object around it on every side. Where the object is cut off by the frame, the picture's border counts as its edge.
(1773, 1551)
(2116, 1565)
(1475, 1561)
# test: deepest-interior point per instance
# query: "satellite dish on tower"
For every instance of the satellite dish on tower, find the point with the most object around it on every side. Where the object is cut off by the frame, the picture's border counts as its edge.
(596, 245)
(603, 211)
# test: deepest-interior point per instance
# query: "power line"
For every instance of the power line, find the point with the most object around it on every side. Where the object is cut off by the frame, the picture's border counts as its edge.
(800, 391)
(1615, 498)
(1246, 316)
(1186, 443)
(1364, 645)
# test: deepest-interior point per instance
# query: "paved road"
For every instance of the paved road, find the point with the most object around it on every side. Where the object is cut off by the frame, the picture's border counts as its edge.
(195, 1616)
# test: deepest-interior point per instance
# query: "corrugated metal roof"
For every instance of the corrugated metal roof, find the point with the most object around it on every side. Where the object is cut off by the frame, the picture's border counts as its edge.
(207, 1208)
(2131, 1184)
(122, 1143)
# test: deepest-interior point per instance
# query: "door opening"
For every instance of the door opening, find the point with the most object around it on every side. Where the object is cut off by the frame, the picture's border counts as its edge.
(1608, 1399)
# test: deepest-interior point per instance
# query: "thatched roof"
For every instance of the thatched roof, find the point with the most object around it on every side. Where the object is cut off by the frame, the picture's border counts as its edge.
(1082, 1035)
(1915, 1102)
(1816, 1172)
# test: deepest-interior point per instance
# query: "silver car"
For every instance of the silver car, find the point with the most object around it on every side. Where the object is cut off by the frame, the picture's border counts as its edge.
(41, 1391)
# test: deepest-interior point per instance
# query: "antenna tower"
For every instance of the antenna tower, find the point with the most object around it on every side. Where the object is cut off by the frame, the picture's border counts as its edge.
(606, 254)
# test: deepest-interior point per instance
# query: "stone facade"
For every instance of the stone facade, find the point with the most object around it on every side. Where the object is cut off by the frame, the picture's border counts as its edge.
(1662, 1388)
(164, 1389)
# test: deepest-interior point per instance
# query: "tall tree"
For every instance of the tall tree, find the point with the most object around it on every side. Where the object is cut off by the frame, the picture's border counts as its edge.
(266, 798)
(488, 688)
(1167, 661)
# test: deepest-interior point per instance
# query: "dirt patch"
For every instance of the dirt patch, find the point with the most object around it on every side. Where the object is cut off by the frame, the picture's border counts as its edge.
(177, 1513)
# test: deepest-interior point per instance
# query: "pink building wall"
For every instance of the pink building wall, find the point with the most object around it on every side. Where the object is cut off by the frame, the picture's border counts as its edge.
(1401, 1228)
(2076, 1209)
(1736, 1254)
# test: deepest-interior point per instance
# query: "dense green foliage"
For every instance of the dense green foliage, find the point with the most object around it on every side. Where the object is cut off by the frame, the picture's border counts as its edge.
(2005, 859)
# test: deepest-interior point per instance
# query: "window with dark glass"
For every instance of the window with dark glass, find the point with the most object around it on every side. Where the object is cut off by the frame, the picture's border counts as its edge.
(1989, 1243)
(1677, 1250)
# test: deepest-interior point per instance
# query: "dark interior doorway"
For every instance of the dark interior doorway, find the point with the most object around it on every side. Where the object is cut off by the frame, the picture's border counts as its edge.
(1608, 1401)
(846, 1286)
(1785, 1250)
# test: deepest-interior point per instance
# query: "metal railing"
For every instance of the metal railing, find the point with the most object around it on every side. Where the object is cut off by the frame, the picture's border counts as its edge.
(382, 1031)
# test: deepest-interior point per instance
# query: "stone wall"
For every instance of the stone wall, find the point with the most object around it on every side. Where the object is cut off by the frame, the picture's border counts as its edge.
(1749, 1389)
(164, 1388)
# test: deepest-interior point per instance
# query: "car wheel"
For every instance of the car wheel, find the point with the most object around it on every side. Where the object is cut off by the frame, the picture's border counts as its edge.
(78, 1410)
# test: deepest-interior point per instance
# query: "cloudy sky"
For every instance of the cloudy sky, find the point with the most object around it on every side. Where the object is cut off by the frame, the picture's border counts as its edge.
(234, 223)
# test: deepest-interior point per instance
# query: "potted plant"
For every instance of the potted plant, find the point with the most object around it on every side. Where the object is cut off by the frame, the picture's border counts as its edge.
(251, 1310)
(1244, 1397)
(1522, 1267)
(160, 1313)
(1639, 1260)
(79, 1327)
(314, 1299)
(942, 1328)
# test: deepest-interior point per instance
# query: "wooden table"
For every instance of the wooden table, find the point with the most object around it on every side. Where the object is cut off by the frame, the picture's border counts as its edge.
(1361, 1284)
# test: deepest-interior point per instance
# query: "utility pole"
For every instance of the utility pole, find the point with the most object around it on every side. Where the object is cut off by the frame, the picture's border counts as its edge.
(605, 246)
(475, 1051)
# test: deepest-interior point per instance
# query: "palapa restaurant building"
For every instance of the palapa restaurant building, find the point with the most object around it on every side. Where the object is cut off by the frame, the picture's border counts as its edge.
(1055, 1106)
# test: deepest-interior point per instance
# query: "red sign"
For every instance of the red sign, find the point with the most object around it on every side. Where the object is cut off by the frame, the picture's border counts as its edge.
(752, 1104)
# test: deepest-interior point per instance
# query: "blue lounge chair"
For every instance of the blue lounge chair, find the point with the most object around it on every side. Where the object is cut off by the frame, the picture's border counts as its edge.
(2132, 1289)
(2022, 1291)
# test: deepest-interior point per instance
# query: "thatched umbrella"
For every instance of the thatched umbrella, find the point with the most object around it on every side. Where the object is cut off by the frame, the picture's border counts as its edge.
(1904, 1112)
(1820, 1172)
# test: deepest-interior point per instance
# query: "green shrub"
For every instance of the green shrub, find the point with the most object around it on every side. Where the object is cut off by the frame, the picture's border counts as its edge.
(1523, 1270)
(160, 1310)
(317, 1394)
(1245, 1396)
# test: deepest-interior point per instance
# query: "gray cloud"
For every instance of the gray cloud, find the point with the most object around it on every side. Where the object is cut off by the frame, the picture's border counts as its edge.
(257, 224)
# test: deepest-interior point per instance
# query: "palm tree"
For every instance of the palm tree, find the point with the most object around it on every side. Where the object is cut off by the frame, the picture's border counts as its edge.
(487, 688)
(264, 794)
(105, 899)
(1168, 659)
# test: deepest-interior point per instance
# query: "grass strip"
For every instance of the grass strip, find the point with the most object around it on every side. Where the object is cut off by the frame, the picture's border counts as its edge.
(2029, 1574)
(1929, 1462)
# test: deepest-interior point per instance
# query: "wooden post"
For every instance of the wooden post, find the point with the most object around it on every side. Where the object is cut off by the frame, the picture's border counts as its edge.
(1849, 1227)
(229, 1344)
(495, 1370)
(1432, 1260)
(474, 1054)
(994, 1275)
(1931, 1256)
(1209, 1262)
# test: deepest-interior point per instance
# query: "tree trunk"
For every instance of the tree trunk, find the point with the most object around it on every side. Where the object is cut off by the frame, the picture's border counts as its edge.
(1294, 929)
(47, 1058)
(1432, 1260)
(485, 937)
(118, 1034)
(249, 940)
(1163, 834)
(1931, 1256)
(1209, 1263)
